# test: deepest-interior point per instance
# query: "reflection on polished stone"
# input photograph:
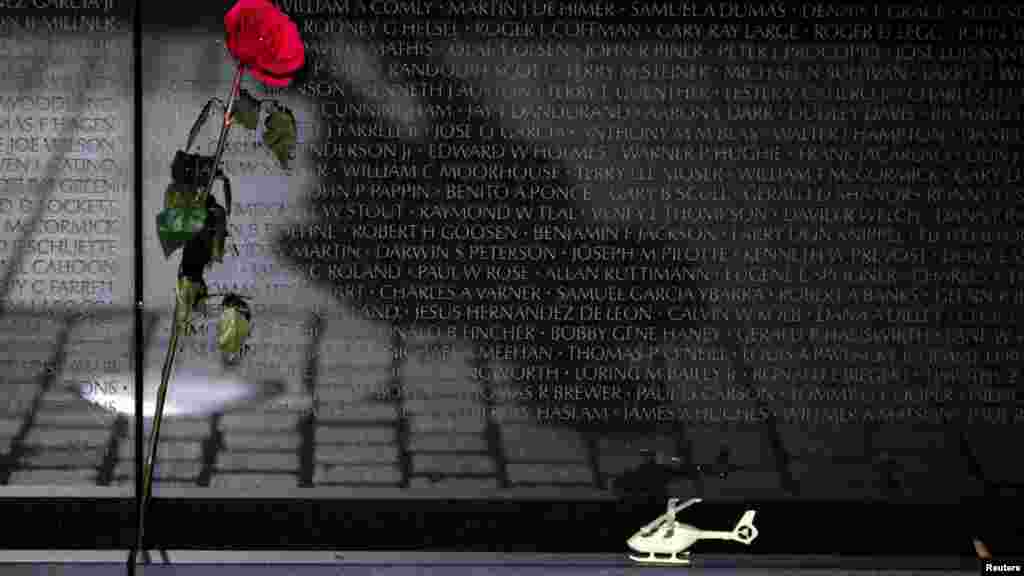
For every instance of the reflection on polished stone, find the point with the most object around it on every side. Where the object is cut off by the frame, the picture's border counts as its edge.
(194, 390)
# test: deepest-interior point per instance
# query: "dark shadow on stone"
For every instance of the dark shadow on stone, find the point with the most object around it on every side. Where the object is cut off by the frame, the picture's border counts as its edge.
(371, 295)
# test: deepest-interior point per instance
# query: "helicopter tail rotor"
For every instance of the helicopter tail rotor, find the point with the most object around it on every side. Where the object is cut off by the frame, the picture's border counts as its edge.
(745, 531)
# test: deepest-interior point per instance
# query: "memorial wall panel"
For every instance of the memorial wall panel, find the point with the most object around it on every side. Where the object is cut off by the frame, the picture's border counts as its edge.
(516, 245)
(65, 233)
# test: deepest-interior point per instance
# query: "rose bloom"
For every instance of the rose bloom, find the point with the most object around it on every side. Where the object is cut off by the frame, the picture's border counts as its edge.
(264, 40)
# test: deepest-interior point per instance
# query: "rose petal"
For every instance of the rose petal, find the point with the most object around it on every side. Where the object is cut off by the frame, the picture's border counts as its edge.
(290, 54)
(243, 42)
(275, 67)
(244, 24)
(232, 18)
(279, 67)
(274, 44)
(293, 48)
(270, 79)
(265, 40)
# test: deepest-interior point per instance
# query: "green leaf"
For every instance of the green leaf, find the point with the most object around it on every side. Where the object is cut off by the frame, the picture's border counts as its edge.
(217, 248)
(198, 124)
(246, 110)
(280, 134)
(188, 295)
(176, 196)
(180, 195)
(176, 226)
(226, 187)
(232, 331)
(217, 225)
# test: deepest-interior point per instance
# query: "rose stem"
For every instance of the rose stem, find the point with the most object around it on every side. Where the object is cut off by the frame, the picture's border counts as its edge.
(165, 378)
(176, 327)
(224, 128)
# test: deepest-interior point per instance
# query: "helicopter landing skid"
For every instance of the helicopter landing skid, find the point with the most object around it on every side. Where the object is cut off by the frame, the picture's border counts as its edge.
(678, 559)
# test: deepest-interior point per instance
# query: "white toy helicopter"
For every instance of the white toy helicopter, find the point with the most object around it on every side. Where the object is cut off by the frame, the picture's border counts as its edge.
(664, 541)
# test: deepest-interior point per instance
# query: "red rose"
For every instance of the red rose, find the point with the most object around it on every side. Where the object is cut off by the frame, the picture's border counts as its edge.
(264, 40)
